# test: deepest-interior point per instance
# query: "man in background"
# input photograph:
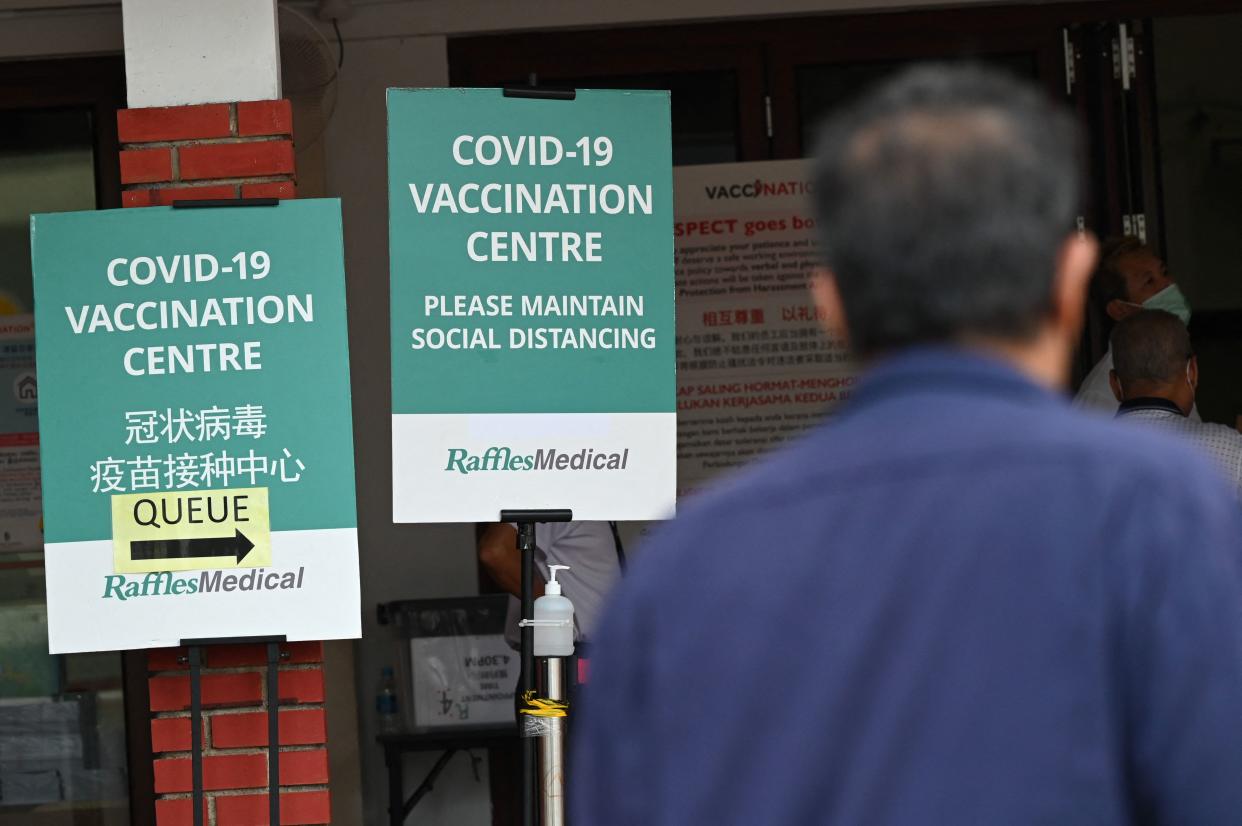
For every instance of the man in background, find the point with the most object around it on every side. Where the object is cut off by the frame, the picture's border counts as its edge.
(959, 601)
(592, 550)
(1155, 375)
(1131, 277)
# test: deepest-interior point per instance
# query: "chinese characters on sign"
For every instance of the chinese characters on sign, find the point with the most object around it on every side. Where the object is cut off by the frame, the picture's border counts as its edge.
(177, 471)
(196, 425)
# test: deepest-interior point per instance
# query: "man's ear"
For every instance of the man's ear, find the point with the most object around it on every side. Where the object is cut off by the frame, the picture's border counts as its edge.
(1118, 309)
(1115, 384)
(827, 299)
(1074, 265)
(1192, 373)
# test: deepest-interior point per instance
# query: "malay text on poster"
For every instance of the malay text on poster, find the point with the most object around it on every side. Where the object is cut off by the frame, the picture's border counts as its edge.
(754, 366)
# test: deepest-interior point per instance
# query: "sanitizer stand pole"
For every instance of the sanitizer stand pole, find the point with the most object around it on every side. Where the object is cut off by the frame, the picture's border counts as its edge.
(526, 520)
(552, 751)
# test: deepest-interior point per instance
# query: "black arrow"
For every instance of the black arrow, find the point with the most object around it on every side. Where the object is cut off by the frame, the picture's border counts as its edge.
(236, 546)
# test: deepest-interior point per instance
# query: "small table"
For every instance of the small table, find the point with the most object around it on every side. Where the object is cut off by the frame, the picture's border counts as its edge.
(448, 741)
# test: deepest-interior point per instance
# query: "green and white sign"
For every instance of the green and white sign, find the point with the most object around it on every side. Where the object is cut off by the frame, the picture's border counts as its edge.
(532, 304)
(194, 414)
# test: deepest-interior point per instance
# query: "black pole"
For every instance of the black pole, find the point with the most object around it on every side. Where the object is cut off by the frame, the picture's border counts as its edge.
(526, 545)
(196, 733)
(194, 657)
(273, 732)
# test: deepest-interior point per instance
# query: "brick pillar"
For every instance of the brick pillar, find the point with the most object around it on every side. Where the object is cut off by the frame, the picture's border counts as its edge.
(212, 150)
(227, 150)
(235, 735)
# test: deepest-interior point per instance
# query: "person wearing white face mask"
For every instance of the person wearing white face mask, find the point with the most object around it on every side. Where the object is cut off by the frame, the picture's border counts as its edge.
(1130, 278)
(1154, 377)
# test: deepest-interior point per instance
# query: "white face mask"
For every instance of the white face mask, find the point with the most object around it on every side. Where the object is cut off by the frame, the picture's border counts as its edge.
(1170, 299)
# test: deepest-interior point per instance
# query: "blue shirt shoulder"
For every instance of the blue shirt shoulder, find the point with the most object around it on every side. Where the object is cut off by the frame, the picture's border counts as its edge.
(960, 601)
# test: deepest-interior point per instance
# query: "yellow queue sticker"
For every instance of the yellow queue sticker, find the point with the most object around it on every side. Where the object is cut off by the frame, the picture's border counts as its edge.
(191, 530)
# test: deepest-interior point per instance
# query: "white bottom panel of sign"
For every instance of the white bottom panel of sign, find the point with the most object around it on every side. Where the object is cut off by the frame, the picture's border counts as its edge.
(309, 592)
(468, 467)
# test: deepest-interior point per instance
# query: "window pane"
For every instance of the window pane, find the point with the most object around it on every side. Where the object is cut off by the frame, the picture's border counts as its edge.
(46, 165)
(822, 88)
(1199, 110)
(62, 719)
(704, 109)
(1199, 119)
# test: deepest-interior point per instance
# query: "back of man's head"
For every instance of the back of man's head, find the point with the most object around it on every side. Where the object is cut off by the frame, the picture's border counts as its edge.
(944, 199)
(1151, 347)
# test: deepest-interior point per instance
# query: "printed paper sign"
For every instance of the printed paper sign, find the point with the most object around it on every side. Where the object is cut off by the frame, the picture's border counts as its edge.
(196, 426)
(179, 531)
(754, 367)
(21, 511)
(463, 680)
(532, 304)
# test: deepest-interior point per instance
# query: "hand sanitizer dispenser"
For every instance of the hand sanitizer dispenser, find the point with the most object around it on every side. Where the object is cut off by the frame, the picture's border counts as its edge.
(554, 620)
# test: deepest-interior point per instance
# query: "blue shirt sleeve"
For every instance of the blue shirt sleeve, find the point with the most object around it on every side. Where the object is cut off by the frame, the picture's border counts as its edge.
(1180, 556)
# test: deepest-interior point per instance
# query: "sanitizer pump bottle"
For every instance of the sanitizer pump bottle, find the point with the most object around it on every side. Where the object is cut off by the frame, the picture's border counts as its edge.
(554, 620)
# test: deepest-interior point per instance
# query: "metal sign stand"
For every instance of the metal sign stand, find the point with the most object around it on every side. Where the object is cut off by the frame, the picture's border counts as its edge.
(526, 521)
(194, 647)
(194, 656)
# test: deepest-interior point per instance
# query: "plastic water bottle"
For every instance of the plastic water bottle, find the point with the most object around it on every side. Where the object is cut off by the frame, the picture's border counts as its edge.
(386, 703)
(554, 619)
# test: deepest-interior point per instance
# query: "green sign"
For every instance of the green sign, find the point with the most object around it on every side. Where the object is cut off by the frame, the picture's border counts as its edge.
(532, 303)
(195, 418)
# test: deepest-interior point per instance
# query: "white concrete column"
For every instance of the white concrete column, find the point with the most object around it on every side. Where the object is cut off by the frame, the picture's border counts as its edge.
(183, 52)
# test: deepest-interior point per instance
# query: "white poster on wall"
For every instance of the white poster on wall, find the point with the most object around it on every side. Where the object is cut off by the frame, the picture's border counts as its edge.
(754, 367)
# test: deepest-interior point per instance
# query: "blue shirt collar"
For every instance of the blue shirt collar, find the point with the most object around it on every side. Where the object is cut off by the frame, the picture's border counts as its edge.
(946, 370)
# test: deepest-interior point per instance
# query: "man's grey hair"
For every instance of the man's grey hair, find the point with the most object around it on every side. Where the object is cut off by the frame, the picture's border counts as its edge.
(1150, 345)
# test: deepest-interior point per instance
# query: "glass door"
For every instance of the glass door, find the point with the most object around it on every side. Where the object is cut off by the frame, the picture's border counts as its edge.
(816, 69)
(63, 731)
(1197, 103)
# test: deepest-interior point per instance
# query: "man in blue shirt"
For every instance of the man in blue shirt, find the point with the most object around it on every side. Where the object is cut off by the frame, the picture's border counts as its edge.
(960, 601)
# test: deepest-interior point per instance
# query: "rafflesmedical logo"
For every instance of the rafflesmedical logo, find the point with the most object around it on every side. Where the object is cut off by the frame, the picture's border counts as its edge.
(166, 583)
(461, 460)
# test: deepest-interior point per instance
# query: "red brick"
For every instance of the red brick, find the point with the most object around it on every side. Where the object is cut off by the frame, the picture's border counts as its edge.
(302, 768)
(165, 197)
(271, 189)
(170, 734)
(146, 166)
(180, 812)
(195, 193)
(236, 160)
(232, 771)
(264, 117)
(234, 656)
(296, 809)
(298, 727)
(173, 123)
(161, 659)
(301, 686)
(141, 198)
(173, 693)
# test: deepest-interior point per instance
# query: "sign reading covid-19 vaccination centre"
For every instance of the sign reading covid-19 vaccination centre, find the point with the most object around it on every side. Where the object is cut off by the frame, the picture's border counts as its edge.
(532, 304)
(194, 415)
